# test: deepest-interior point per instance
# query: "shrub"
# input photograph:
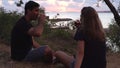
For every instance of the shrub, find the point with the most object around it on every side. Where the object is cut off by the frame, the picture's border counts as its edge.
(7, 21)
(114, 35)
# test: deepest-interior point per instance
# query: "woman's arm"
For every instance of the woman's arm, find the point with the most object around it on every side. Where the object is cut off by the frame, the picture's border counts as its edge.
(80, 54)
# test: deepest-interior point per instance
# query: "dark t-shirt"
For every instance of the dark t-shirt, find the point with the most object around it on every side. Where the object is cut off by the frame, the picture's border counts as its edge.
(21, 41)
(95, 51)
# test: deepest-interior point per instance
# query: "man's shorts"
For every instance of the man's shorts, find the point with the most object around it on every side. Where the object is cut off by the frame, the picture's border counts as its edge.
(72, 64)
(36, 54)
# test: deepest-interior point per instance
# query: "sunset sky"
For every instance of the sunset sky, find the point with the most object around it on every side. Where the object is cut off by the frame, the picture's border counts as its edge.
(60, 5)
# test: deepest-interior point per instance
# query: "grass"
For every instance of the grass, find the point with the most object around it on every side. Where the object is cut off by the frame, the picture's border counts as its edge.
(6, 62)
(68, 46)
(55, 43)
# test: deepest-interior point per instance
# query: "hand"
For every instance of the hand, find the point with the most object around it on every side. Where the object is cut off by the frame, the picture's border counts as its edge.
(41, 18)
(77, 23)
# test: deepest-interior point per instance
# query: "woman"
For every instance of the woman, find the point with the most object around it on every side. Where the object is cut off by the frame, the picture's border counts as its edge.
(91, 47)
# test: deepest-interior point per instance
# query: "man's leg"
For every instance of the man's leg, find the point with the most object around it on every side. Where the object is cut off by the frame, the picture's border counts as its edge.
(64, 58)
(48, 57)
(43, 53)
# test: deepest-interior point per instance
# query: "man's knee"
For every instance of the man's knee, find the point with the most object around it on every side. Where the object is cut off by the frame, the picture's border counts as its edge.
(48, 50)
(48, 55)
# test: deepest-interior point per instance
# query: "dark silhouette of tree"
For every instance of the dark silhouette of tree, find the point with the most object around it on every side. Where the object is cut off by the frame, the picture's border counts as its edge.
(19, 3)
(119, 8)
(113, 10)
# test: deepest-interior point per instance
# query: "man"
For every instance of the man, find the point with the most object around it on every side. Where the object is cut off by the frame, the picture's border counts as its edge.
(22, 36)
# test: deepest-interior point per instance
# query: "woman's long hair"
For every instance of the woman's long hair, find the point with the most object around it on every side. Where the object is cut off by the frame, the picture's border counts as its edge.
(91, 24)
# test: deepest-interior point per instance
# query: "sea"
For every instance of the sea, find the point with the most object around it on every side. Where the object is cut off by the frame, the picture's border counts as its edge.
(105, 18)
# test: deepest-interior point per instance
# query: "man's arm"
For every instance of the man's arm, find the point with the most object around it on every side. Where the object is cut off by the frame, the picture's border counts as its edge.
(35, 44)
(37, 31)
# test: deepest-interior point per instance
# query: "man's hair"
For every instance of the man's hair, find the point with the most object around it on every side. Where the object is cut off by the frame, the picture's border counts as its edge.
(30, 6)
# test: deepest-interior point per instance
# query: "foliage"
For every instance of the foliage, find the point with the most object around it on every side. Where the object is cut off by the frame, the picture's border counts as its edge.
(61, 34)
(114, 34)
(7, 21)
(19, 3)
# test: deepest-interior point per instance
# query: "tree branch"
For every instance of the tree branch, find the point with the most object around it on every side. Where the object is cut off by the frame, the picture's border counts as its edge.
(114, 11)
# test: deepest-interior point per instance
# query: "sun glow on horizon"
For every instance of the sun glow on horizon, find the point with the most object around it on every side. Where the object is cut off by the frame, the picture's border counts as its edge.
(61, 5)
(51, 1)
(11, 2)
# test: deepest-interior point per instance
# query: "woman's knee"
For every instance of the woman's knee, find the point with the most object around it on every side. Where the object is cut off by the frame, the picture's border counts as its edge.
(64, 58)
(60, 53)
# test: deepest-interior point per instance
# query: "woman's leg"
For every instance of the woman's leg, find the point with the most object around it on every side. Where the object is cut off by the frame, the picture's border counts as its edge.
(64, 58)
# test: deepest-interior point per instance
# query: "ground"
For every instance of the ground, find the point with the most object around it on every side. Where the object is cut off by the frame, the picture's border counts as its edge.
(113, 60)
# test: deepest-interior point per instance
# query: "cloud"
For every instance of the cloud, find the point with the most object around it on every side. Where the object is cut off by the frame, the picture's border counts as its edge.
(78, 1)
(11, 2)
(61, 5)
(55, 5)
(0, 3)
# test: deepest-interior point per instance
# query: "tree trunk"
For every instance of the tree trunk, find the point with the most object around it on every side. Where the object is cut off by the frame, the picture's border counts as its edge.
(114, 11)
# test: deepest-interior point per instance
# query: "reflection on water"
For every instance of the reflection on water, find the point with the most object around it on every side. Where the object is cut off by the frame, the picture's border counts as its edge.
(104, 17)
